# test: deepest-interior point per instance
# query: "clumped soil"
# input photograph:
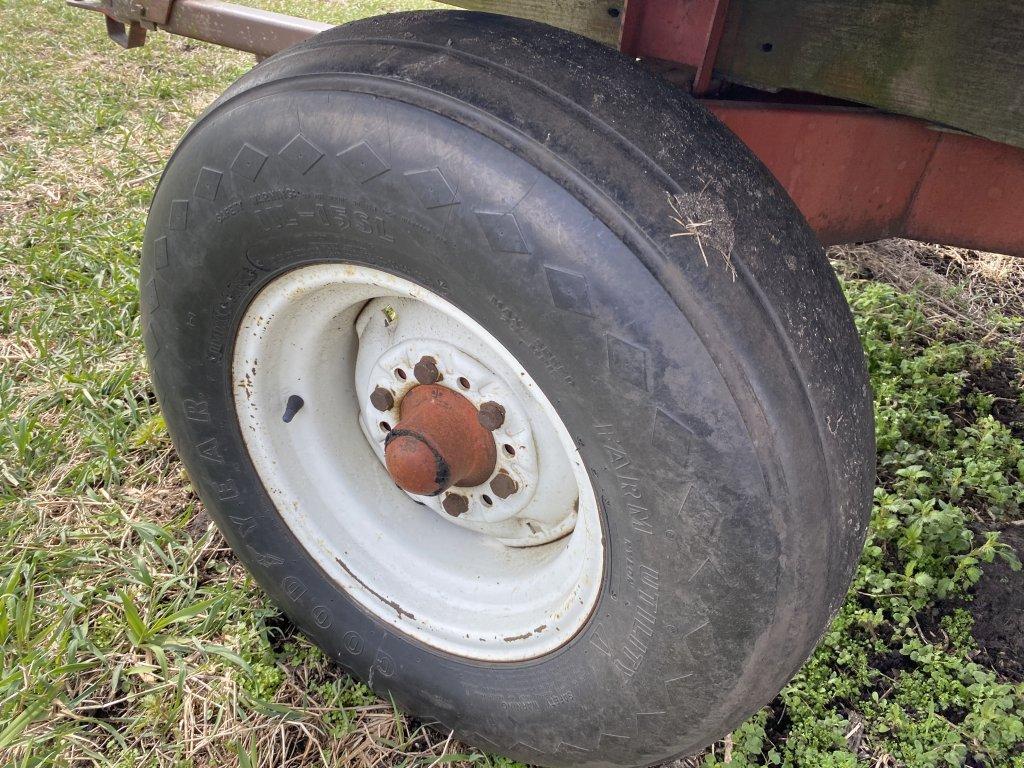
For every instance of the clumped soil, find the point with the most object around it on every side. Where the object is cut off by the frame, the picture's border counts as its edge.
(1002, 381)
(998, 610)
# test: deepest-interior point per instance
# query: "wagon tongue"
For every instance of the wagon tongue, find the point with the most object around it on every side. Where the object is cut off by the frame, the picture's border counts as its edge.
(439, 442)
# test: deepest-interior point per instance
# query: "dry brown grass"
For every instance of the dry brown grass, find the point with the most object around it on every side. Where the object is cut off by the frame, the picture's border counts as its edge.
(965, 286)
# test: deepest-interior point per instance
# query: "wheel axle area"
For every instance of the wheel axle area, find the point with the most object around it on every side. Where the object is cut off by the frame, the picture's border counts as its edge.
(438, 443)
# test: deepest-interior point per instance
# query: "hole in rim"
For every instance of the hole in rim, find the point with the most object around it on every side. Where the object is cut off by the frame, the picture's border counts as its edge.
(767, 47)
(401, 374)
(385, 426)
(614, 12)
(463, 382)
(509, 449)
(486, 500)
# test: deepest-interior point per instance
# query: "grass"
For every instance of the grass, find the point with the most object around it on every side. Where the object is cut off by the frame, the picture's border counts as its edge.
(130, 636)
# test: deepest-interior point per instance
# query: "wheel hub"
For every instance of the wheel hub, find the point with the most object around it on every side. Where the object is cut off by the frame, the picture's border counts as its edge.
(438, 443)
(477, 423)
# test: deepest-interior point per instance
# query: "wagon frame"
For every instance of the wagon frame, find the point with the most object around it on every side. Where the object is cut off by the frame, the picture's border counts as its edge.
(880, 120)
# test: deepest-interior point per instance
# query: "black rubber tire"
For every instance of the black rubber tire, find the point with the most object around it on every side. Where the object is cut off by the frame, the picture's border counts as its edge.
(713, 382)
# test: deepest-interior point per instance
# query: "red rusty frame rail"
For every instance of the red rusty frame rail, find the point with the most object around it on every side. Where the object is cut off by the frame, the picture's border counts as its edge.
(683, 31)
(857, 174)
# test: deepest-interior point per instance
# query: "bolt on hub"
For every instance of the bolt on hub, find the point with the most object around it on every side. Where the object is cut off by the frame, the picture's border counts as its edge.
(491, 415)
(382, 399)
(426, 371)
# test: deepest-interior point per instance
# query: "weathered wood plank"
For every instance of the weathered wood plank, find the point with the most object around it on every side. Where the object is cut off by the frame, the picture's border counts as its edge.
(948, 61)
(599, 19)
(953, 62)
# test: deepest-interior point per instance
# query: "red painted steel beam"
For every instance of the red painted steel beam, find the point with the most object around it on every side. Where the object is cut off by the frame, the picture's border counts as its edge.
(674, 30)
(712, 39)
(683, 31)
(972, 193)
(856, 174)
(862, 175)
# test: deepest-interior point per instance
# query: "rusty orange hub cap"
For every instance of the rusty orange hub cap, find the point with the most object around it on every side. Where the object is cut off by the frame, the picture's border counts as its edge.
(438, 443)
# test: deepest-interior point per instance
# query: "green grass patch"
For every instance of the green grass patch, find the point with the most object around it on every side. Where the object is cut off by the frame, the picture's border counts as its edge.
(897, 680)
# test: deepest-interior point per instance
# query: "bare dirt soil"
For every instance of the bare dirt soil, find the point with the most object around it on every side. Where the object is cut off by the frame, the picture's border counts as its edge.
(998, 610)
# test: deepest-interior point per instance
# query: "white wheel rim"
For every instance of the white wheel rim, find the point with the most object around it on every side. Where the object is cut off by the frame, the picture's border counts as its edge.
(509, 580)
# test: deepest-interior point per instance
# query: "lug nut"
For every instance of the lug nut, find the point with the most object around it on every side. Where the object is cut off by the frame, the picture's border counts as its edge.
(382, 399)
(491, 415)
(455, 504)
(426, 371)
(503, 485)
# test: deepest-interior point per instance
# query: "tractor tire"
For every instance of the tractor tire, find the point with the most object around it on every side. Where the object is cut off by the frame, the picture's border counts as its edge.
(554, 224)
